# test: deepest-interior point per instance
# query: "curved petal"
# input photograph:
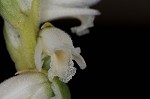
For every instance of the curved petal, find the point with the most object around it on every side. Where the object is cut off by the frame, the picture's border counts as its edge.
(78, 58)
(77, 3)
(77, 50)
(60, 12)
(85, 15)
(86, 22)
(38, 55)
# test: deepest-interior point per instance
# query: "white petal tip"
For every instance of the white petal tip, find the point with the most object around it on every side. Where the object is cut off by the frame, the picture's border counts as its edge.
(83, 66)
(78, 58)
(81, 63)
(86, 22)
(80, 32)
(67, 76)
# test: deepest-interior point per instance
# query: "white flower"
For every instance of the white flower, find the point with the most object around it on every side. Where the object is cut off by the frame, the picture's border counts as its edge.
(58, 45)
(26, 86)
(33, 85)
(55, 9)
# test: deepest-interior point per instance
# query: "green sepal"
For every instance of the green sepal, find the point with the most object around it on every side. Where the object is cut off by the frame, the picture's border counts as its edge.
(62, 89)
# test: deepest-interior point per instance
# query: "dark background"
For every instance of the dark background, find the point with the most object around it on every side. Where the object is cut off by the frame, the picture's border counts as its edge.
(108, 49)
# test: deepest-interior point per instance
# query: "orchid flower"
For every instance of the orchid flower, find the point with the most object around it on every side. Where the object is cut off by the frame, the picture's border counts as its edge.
(58, 45)
(33, 85)
(26, 86)
(56, 9)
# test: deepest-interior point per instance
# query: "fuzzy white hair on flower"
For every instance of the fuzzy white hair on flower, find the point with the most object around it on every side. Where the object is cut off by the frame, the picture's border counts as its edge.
(58, 45)
(56, 9)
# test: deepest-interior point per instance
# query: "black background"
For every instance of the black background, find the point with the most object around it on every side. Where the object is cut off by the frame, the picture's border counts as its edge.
(108, 49)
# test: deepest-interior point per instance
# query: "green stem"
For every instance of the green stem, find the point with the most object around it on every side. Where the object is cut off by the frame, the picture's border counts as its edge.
(23, 27)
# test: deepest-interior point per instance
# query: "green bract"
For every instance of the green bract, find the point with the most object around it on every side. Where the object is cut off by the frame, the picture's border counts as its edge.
(23, 27)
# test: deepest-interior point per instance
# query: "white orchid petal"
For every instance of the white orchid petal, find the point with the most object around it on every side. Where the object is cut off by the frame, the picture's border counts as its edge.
(38, 55)
(54, 38)
(74, 2)
(78, 58)
(85, 15)
(56, 9)
(80, 61)
(77, 50)
(25, 86)
(56, 13)
(78, 9)
(79, 30)
(86, 22)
